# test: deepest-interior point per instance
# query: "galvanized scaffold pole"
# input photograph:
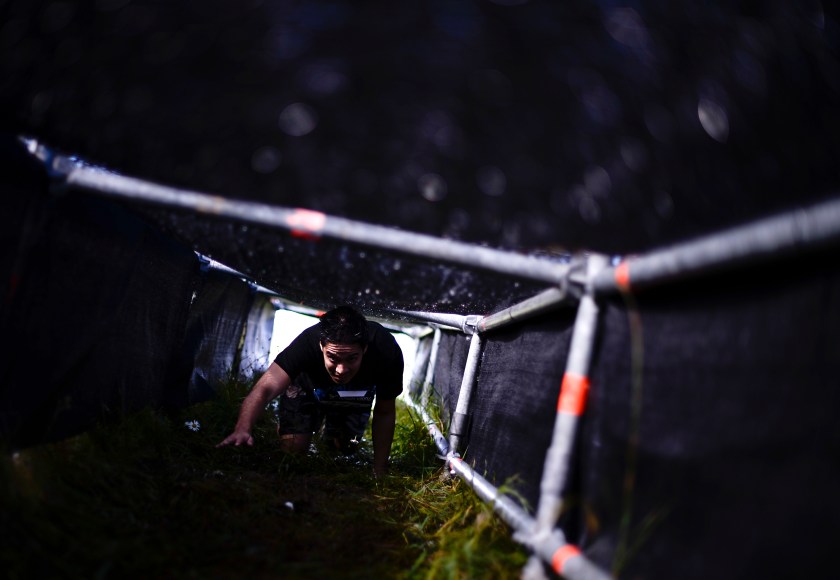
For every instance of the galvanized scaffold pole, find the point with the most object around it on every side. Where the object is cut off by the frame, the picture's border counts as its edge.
(460, 419)
(570, 406)
(299, 222)
(780, 236)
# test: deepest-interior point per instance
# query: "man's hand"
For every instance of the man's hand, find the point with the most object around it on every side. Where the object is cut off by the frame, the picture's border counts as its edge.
(237, 438)
(272, 384)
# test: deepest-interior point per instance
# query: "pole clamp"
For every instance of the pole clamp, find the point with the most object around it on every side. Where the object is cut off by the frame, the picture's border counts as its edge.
(471, 322)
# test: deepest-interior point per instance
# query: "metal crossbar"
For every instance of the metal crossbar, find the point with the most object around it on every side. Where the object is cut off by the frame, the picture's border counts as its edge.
(304, 222)
(760, 241)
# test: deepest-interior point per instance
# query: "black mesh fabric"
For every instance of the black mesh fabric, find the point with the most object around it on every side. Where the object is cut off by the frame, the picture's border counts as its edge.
(449, 369)
(714, 455)
(514, 400)
(324, 272)
(94, 314)
(728, 437)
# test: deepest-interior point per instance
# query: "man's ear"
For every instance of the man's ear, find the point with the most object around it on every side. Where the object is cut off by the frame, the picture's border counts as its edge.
(321, 344)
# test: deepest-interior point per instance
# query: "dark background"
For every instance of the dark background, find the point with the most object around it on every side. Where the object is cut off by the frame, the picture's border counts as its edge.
(523, 125)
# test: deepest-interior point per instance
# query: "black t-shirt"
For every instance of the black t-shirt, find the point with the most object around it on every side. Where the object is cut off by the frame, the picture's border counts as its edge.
(380, 374)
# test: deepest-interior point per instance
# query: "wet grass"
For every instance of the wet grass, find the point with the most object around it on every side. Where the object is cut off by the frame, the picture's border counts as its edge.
(150, 497)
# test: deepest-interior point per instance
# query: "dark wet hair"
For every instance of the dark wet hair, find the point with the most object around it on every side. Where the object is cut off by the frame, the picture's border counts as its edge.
(343, 325)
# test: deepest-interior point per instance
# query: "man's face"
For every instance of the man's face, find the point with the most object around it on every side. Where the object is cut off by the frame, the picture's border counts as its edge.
(342, 361)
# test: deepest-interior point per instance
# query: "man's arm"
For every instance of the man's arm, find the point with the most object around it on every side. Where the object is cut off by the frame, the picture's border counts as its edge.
(273, 383)
(384, 418)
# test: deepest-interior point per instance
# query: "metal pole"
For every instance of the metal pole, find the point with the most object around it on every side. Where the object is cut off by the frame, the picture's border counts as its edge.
(437, 436)
(425, 394)
(570, 405)
(782, 235)
(456, 321)
(509, 510)
(310, 224)
(440, 441)
(460, 418)
(564, 558)
(542, 302)
(218, 266)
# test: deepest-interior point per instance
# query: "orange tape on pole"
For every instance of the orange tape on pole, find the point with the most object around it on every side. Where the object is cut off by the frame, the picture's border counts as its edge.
(562, 555)
(306, 224)
(573, 392)
(622, 276)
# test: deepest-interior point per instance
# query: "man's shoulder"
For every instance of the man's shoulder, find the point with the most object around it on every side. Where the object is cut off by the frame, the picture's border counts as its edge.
(374, 326)
(383, 342)
(303, 345)
(308, 336)
(379, 335)
(311, 331)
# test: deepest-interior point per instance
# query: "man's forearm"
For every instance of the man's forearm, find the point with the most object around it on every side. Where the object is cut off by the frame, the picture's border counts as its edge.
(252, 408)
(383, 435)
(271, 384)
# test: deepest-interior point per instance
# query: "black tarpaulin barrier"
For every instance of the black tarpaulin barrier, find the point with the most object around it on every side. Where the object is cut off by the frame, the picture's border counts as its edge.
(217, 320)
(711, 427)
(325, 272)
(711, 443)
(94, 313)
(256, 344)
(514, 403)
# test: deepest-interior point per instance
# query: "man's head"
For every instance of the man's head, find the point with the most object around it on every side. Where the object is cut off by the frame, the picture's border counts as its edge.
(344, 339)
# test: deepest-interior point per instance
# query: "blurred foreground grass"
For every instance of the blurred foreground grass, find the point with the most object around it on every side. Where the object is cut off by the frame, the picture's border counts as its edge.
(151, 496)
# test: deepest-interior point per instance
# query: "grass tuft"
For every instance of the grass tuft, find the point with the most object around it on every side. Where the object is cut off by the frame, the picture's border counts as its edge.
(153, 497)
